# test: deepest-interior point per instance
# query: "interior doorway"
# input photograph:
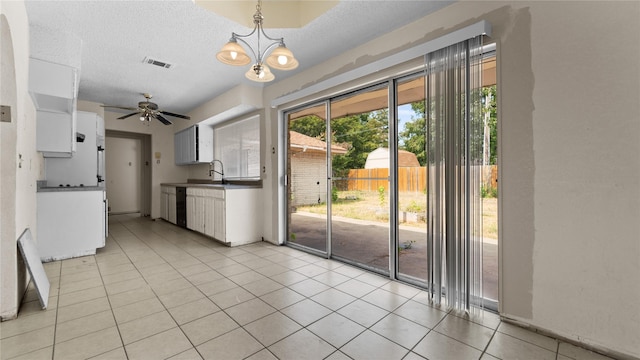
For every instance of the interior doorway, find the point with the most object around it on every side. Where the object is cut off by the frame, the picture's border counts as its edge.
(128, 172)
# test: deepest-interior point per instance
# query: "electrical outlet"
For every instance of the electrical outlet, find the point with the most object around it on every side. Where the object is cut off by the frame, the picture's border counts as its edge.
(5, 113)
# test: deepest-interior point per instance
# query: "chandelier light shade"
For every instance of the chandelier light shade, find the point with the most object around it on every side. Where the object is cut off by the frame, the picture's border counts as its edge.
(233, 54)
(259, 73)
(280, 58)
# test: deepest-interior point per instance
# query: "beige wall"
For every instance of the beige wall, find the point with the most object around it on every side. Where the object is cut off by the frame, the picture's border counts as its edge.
(568, 104)
(586, 254)
(163, 170)
(21, 166)
(124, 166)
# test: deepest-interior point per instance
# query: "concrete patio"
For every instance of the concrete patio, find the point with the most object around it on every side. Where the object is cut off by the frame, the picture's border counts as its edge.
(367, 242)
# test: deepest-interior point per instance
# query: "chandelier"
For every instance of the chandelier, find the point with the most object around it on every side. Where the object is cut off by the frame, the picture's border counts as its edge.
(280, 58)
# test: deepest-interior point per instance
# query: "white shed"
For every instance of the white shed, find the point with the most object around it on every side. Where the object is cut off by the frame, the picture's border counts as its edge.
(379, 159)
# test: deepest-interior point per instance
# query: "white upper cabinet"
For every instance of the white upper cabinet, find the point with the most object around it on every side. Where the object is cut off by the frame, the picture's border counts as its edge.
(194, 145)
(53, 87)
(55, 133)
(54, 90)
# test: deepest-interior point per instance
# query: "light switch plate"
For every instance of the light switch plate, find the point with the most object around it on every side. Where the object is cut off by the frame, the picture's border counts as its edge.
(5, 115)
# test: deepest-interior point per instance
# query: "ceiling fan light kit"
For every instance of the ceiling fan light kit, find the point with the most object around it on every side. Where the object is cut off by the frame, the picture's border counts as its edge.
(281, 58)
(147, 111)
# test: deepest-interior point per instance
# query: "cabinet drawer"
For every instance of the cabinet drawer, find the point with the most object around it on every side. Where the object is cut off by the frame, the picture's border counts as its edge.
(214, 193)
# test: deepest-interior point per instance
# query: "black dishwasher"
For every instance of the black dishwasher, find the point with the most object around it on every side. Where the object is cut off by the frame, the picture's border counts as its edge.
(181, 206)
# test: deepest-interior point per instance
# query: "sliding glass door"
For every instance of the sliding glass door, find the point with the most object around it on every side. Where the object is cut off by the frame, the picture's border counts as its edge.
(400, 178)
(307, 177)
(360, 178)
(412, 180)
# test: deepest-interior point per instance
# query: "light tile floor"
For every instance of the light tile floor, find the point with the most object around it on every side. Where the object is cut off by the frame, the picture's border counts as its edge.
(157, 291)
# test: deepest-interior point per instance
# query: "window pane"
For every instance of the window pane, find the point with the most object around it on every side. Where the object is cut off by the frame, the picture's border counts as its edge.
(237, 145)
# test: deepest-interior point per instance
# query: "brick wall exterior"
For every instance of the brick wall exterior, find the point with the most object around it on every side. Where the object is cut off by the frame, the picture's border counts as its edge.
(308, 178)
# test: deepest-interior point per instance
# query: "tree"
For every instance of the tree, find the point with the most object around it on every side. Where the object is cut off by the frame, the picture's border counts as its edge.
(490, 108)
(414, 134)
(359, 134)
(309, 125)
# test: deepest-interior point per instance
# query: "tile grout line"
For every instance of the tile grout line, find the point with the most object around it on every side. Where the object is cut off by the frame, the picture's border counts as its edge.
(55, 327)
(495, 331)
(110, 306)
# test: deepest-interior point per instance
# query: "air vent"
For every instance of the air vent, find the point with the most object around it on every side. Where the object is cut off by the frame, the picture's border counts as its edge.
(155, 62)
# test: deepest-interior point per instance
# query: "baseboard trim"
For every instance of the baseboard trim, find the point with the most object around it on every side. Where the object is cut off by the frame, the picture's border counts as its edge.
(546, 332)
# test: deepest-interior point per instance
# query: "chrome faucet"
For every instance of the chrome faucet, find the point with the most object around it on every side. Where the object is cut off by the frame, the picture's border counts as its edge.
(212, 169)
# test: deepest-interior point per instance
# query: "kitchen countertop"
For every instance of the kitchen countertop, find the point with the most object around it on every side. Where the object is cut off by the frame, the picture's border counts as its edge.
(227, 186)
(71, 188)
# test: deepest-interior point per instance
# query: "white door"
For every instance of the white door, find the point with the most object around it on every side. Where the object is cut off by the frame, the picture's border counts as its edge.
(124, 166)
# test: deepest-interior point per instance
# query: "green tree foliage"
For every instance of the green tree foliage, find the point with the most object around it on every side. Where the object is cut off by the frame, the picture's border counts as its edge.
(489, 92)
(310, 125)
(413, 136)
(359, 134)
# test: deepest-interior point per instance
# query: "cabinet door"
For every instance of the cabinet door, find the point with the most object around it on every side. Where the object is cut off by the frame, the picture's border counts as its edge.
(172, 208)
(164, 205)
(209, 216)
(200, 214)
(185, 146)
(55, 132)
(192, 213)
(219, 219)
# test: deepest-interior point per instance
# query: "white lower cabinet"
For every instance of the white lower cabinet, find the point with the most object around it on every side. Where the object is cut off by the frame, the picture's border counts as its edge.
(172, 206)
(230, 216)
(164, 200)
(195, 210)
(168, 203)
(70, 223)
(220, 219)
(191, 211)
(209, 216)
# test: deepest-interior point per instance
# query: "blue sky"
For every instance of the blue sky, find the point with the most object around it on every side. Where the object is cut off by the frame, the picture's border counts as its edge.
(404, 114)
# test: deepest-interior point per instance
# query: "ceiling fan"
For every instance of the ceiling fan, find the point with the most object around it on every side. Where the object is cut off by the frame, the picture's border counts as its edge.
(148, 110)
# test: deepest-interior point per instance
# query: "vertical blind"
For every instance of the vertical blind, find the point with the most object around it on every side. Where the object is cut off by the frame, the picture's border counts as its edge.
(454, 148)
(237, 145)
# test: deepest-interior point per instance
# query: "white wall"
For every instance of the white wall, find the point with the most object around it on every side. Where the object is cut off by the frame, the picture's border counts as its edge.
(20, 166)
(586, 130)
(569, 171)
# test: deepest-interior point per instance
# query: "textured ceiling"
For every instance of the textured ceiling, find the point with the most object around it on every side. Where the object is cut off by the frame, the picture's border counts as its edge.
(110, 39)
(281, 13)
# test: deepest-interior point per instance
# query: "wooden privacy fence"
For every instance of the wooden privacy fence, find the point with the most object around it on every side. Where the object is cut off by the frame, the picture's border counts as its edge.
(410, 179)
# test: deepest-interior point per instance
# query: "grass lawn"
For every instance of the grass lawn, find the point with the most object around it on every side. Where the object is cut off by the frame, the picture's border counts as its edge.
(373, 206)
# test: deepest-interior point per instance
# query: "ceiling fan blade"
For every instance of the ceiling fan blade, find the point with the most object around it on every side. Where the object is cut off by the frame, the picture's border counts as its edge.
(120, 107)
(162, 119)
(128, 115)
(175, 115)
